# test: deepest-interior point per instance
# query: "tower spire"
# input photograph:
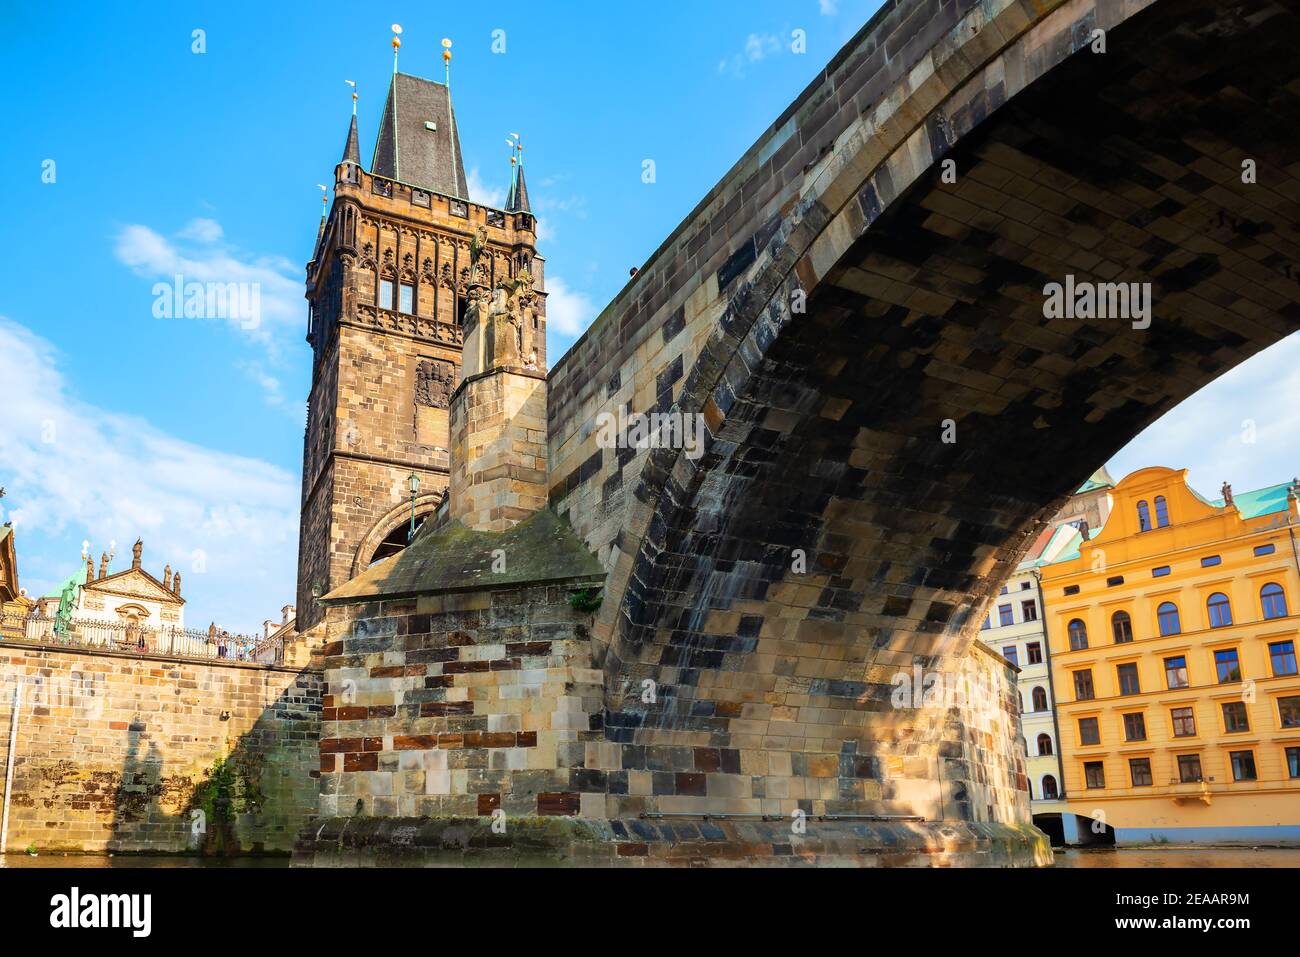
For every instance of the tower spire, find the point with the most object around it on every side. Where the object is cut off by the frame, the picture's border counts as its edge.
(451, 115)
(518, 202)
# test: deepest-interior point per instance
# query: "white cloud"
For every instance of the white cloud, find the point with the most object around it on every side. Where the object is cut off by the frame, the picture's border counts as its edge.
(75, 471)
(758, 46)
(483, 194)
(203, 230)
(828, 8)
(568, 312)
(279, 287)
(1205, 433)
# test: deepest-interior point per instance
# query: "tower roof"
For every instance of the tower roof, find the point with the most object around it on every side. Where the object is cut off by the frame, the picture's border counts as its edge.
(418, 141)
(351, 149)
(518, 193)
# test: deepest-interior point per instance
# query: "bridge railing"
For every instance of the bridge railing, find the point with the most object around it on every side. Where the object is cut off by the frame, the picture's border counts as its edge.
(166, 642)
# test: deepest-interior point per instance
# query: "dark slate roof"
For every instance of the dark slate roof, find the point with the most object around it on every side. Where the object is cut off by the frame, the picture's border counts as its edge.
(542, 549)
(519, 194)
(351, 150)
(406, 150)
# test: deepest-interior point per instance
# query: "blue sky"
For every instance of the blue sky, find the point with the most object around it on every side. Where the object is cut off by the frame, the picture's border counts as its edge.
(188, 432)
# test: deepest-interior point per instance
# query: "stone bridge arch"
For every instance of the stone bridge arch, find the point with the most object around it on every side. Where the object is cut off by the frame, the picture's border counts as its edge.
(924, 306)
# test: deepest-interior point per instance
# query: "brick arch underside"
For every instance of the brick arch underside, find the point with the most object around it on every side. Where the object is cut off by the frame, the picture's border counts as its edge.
(1116, 167)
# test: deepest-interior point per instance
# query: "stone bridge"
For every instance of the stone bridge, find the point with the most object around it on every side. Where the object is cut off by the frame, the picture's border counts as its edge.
(891, 413)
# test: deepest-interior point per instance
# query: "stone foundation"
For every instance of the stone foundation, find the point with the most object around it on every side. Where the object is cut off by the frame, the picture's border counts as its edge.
(571, 842)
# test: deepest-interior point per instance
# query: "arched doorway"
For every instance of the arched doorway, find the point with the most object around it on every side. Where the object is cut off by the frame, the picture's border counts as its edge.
(396, 540)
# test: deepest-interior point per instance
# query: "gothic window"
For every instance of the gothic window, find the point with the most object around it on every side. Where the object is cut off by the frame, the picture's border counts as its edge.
(406, 300)
(385, 294)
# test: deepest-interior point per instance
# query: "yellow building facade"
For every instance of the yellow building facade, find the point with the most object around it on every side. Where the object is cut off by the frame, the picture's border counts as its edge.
(1173, 634)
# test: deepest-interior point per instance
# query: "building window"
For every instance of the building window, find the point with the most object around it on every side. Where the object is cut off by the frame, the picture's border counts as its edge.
(1209, 561)
(1227, 665)
(1288, 710)
(1184, 722)
(1040, 699)
(1083, 686)
(988, 623)
(406, 298)
(1139, 770)
(1009, 653)
(1044, 744)
(1070, 590)
(1004, 615)
(1189, 768)
(1135, 727)
(1094, 773)
(1028, 611)
(1128, 678)
(1034, 653)
(1049, 782)
(1144, 517)
(1089, 732)
(1293, 762)
(1273, 600)
(1176, 672)
(1078, 632)
(1167, 615)
(1115, 581)
(1025, 586)
(1262, 550)
(1235, 720)
(1122, 627)
(1220, 610)
(1243, 765)
(1003, 591)
(1282, 655)
(1162, 512)
(1160, 572)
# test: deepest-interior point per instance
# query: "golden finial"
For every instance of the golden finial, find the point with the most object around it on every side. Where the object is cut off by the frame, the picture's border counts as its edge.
(397, 43)
(446, 58)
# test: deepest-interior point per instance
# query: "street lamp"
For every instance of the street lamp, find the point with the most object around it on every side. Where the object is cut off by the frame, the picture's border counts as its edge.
(414, 483)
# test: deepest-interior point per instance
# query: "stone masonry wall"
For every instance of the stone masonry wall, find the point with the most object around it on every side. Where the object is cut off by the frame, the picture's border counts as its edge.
(114, 752)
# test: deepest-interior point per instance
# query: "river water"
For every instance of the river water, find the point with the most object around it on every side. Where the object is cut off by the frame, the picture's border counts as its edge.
(1180, 857)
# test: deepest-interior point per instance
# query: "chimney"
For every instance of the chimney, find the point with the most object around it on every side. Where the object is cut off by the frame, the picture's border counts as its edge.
(286, 613)
(268, 626)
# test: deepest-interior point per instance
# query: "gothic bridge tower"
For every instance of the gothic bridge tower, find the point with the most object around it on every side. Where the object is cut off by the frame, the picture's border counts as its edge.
(388, 287)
